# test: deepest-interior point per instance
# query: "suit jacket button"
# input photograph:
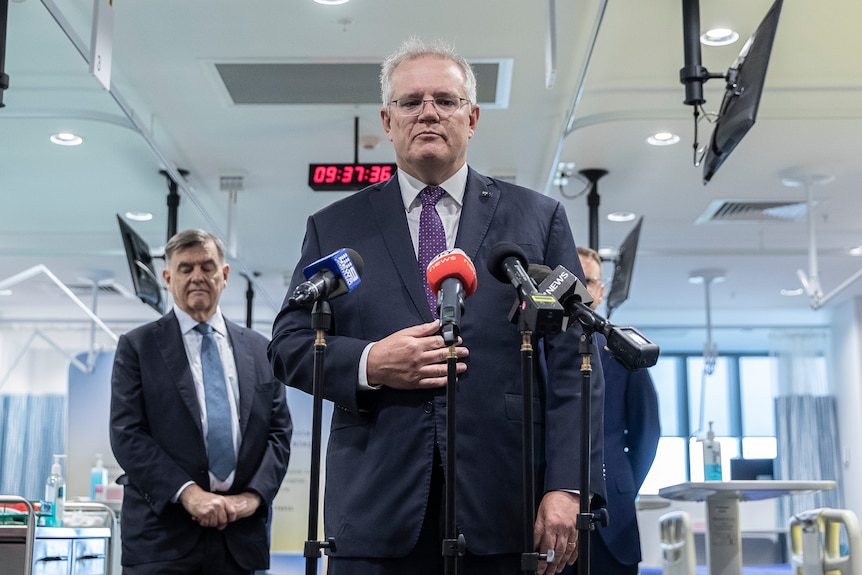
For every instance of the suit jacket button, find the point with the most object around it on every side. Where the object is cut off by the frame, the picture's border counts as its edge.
(428, 407)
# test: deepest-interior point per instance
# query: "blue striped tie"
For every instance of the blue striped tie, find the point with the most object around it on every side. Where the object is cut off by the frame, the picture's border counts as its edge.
(220, 452)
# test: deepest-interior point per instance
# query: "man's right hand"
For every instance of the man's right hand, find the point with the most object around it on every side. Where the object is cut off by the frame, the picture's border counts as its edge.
(208, 509)
(412, 358)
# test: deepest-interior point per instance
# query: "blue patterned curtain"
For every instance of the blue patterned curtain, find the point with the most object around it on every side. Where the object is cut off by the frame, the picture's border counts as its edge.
(32, 429)
(806, 421)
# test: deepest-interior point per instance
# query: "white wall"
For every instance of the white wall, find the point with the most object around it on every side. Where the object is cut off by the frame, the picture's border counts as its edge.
(847, 375)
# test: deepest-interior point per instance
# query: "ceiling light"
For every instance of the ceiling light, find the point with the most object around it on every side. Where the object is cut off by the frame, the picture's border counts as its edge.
(621, 216)
(718, 37)
(706, 275)
(331, 2)
(792, 292)
(67, 139)
(139, 216)
(5, 292)
(663, 139)
(857, 251)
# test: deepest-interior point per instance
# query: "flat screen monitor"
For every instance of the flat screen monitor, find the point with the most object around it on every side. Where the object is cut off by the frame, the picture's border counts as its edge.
(745, 80)
(144, 278)
(624, 265)
(750, 469)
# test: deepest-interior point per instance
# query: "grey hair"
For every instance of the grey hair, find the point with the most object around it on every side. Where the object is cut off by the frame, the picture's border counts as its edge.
(192, 238)
(414, 48)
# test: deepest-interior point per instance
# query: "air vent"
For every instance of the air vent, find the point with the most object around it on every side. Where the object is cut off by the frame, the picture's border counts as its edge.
(105, 288)
(252, 83)
(720, 211)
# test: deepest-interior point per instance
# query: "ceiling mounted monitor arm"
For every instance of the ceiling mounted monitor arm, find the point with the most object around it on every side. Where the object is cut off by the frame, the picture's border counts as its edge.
(593, 200)
(693, 75)
(173, 200)
(4, 78)
(811, 280)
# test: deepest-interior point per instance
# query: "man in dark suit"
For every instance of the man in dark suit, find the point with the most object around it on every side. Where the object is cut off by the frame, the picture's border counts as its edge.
(632, 431)
(179, 515)
(385, 367)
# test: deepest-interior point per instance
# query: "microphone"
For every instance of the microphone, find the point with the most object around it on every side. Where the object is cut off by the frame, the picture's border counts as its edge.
(627, 344)
(452, 275)
(535, 312)
(328, 277)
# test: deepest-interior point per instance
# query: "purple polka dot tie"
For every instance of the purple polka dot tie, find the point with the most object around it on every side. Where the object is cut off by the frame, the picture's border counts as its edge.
(432, 237)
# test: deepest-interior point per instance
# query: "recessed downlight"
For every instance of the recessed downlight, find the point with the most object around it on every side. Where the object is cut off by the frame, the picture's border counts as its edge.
(857, 251)
(663, 139)
(331, 2)
(792, 292)
(67, 139)
(139, 216)
(718, 37)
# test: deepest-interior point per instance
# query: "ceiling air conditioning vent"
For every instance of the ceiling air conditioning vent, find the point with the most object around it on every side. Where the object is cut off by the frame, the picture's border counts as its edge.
(719, 211)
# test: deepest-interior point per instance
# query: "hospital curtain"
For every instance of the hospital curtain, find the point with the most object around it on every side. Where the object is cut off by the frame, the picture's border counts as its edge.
(31, 431)
(805, 420)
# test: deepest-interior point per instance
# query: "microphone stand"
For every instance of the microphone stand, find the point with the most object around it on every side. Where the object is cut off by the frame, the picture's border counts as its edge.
(321, 321)
(587, 519)
(454, 543)
(530, 557)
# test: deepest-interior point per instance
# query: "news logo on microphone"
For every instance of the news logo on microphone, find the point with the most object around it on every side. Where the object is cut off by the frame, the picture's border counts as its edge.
(342, 262)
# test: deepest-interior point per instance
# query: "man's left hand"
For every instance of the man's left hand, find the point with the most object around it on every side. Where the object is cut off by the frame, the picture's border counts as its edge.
(556, 528)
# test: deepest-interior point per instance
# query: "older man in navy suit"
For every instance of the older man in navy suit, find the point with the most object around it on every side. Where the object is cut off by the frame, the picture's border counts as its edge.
(386, 366)
(185, 511)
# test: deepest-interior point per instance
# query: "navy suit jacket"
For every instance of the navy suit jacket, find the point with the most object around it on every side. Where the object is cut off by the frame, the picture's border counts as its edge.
(632, 431)
(381, 443)
(157, 440)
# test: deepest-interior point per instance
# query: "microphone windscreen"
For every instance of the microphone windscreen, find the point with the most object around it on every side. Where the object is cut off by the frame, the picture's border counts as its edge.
(452, 264)
(538, 272)
(499, 254)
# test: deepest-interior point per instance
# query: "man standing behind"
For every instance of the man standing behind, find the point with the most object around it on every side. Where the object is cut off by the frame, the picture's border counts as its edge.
(386, 369)
(200, 427)
(632, 432)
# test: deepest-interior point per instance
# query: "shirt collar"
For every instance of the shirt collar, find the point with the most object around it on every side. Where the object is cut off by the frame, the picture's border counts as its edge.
(187, 323)
(411, 187)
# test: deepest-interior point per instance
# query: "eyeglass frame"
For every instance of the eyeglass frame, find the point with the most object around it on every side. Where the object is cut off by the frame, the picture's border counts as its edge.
(434, 105)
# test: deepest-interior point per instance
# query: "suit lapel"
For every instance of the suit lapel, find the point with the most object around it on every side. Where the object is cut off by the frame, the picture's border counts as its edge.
(480, 201)
(388, 209)
(246, 379)
(173, 350)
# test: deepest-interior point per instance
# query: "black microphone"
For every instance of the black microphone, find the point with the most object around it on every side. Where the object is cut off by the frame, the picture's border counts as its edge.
(535, 311)
(328, 277)
(631, 348)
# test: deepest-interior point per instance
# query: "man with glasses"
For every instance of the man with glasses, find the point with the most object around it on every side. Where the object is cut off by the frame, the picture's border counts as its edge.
(386, 369)
(632, 431)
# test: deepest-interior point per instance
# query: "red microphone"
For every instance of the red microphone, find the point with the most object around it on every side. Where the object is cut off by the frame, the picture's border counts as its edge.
(453, 276)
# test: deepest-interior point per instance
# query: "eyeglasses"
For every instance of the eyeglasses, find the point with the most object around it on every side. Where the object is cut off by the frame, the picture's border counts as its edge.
(445, 106)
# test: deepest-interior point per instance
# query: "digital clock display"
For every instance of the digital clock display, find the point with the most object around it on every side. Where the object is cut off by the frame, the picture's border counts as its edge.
(347, 177)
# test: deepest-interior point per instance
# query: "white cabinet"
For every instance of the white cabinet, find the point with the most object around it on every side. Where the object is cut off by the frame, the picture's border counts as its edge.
(66, 551)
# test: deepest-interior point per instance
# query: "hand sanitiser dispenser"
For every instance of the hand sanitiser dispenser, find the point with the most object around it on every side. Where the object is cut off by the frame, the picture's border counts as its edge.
(54, 505)
(98, 479)
(711, 457)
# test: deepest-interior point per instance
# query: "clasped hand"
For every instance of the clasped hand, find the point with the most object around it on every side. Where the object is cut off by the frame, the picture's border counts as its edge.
(413, 358)
(214, 510)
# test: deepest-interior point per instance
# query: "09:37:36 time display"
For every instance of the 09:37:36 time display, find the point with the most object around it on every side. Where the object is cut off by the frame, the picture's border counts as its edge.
(347, 176)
